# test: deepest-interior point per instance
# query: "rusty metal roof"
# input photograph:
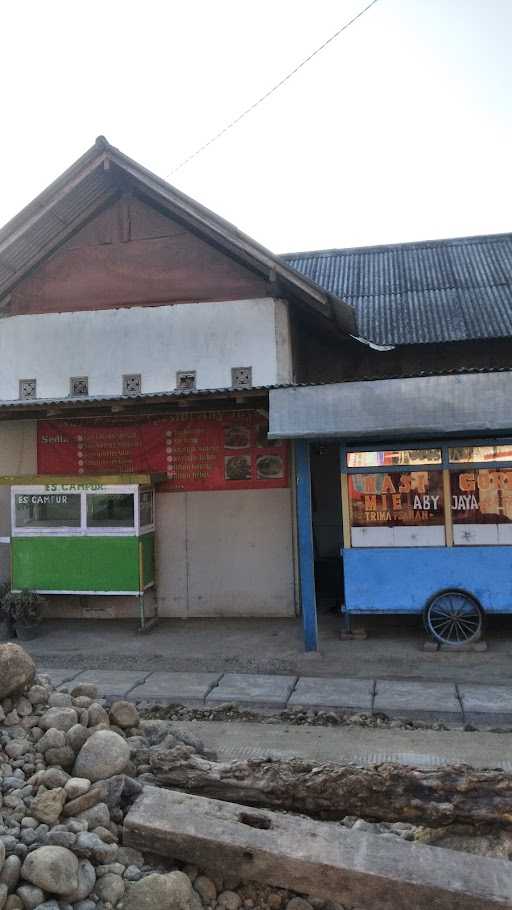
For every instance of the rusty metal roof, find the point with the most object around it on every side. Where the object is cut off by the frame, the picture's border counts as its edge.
(421, 293)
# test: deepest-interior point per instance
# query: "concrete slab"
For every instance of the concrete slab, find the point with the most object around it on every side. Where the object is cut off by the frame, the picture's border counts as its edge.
(59, 676)
(253, 690)
(486, 704)
(321, 692)
(353, 868)
(176, 688)
(111, 684)
(417, 700)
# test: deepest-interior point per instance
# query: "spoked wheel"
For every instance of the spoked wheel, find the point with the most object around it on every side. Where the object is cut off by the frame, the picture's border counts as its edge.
(454, 618)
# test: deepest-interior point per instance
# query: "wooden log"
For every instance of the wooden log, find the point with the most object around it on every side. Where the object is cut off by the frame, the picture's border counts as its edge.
(386, 792)
(330, 862)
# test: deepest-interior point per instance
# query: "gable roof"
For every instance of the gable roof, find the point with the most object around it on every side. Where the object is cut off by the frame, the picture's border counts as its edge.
(418, 293)
(96, 179)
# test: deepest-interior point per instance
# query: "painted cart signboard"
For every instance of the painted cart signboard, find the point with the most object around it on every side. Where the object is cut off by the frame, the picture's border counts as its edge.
(481, 496)
(388, 500)
(210, 450)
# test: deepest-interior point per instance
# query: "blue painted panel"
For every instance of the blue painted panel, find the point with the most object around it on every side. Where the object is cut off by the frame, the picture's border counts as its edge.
(401, 580)
(305, 545)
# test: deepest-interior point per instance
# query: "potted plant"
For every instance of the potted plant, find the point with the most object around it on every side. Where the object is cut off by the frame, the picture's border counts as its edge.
(24, 611)
(6, 625)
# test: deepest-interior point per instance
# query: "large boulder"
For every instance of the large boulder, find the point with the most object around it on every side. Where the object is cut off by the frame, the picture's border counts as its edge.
(17, 669)
(104, 754)
(168, 892)
(54, 869)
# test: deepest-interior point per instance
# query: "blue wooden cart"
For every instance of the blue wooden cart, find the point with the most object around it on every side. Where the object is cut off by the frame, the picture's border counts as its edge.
(427, 529)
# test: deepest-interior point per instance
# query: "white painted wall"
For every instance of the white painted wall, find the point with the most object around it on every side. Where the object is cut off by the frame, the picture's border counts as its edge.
(154, 341)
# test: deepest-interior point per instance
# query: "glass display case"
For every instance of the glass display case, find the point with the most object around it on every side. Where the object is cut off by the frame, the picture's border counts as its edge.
(82, 538)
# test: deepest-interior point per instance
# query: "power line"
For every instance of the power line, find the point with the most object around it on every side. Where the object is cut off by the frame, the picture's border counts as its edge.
(271, 91)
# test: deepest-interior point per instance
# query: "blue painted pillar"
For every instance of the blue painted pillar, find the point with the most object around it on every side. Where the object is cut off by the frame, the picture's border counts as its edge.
(305, 545)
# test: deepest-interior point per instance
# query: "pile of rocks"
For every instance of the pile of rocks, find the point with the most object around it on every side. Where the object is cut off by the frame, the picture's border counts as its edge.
(292, 716)
(70, 767)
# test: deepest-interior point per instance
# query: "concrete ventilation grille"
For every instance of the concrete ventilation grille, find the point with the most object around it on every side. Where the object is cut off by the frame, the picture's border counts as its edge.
(28, 389)
(185, 379)
(132, 383)
(241, 377)
(79, 386)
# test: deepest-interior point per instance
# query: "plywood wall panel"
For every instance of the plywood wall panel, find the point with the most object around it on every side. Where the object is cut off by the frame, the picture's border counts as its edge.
(130, 255)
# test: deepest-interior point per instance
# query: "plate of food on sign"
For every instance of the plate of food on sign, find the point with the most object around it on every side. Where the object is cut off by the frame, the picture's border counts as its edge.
(237, 467)
(269, 467)
(237, 437)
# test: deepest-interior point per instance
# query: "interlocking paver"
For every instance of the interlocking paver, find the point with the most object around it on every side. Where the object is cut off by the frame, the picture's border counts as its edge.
(323, 692)
(410, 699)
(111, 683)
(253, 689)
(176, 688)
(486, 704)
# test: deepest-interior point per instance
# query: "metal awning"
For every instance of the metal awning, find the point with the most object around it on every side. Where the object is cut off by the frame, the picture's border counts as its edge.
(419, 407)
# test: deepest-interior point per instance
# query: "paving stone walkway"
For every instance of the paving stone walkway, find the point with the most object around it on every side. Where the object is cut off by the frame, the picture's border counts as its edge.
(450, 702)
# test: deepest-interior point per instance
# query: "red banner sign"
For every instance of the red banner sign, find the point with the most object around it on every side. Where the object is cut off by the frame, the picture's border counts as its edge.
(211, 450)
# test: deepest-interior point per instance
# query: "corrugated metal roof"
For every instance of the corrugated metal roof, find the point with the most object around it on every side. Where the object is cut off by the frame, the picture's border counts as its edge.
(418, 293)
(34, 404)
(31, 404)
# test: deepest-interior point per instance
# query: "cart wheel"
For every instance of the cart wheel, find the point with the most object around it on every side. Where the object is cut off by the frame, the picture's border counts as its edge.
(453, 618)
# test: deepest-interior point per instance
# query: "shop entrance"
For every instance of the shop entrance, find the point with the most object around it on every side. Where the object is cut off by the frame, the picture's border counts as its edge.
(327, 526)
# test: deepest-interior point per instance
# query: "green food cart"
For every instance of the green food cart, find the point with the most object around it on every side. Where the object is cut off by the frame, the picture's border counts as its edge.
(83, 535)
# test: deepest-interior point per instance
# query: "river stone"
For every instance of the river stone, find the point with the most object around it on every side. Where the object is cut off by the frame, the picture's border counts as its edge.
(59, 718)
(110, 888)
(76, 786)
(54, 869)
(17, 669)
(31, 896)
(48, 805)
(104, 754)
(97, 715)
(206, 889)
(54, 777)
(124, 714)
(38, 695)
(64, 756)
(86, 883)
(76, 736)
(96, 816)
(172, 892)
(52, 739)
(13, 903)
(10, 874)
(87, 689)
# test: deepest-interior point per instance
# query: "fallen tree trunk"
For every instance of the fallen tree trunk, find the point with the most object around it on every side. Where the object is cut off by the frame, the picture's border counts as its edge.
(387, 792)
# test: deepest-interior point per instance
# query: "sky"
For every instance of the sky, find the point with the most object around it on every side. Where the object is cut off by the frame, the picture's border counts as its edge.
(399, 130)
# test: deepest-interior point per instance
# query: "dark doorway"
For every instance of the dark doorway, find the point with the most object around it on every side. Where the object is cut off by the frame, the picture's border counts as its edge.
(327, 525)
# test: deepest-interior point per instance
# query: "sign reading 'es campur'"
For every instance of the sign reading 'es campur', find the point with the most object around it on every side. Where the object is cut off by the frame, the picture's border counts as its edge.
(210, 450)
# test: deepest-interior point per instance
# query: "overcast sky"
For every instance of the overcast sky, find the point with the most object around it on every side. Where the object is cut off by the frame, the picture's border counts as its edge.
(400, 130)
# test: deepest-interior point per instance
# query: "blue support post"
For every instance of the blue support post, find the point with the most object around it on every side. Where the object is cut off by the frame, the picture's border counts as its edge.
(305, 544)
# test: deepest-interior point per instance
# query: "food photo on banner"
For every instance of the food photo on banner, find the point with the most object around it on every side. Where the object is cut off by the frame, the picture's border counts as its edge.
(209, 450)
